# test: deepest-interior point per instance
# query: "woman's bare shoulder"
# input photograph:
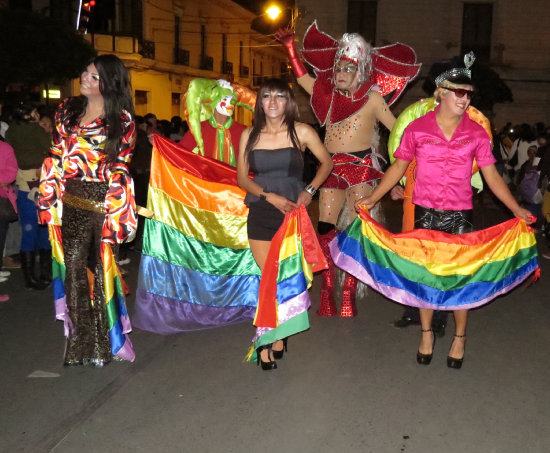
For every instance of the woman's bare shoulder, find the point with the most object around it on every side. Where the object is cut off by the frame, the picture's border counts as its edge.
(303, 128)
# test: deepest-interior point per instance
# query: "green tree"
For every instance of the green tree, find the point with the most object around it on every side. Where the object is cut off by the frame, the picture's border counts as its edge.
(35, 49)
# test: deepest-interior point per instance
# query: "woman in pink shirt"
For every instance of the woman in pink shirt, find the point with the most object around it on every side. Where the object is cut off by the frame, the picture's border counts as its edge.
(445, 143)
(8, 172)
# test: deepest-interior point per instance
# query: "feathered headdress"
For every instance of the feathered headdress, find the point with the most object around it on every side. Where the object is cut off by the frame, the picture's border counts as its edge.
(393, 67)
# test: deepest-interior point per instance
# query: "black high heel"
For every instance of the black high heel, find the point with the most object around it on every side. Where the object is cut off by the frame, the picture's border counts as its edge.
(426, 359)
(279, 354)
(453, 362)
(266, 366)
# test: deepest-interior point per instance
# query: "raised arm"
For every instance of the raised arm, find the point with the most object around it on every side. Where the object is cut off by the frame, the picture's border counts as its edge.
(286, 38)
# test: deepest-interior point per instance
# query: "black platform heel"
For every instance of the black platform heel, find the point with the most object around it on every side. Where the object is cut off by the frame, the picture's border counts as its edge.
(426, 359)
(266, 366)
(453, 362)
(279, 354)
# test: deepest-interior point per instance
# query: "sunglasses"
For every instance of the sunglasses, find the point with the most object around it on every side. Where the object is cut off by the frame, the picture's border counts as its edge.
(460, 92)
(347, 68)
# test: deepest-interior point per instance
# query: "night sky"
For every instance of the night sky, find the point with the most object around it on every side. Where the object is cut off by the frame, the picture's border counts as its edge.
(253, 5)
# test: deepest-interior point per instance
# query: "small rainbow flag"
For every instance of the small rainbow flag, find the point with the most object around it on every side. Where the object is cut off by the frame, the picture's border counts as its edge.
(435, 270)
(197, 270)
(283, 298)
(115, 305)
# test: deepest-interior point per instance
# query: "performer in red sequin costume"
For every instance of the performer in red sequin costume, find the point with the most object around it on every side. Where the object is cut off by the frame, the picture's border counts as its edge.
(347, 96)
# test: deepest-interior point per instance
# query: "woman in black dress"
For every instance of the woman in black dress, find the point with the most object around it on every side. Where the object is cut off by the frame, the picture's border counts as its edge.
(273, 150)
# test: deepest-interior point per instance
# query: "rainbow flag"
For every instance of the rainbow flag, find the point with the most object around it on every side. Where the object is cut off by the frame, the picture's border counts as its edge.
(283, 298)
(115, 305)
(435, 270)
(197, 270)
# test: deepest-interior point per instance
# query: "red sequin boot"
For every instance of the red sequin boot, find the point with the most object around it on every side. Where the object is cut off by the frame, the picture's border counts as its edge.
(327, 306)
(349, 309)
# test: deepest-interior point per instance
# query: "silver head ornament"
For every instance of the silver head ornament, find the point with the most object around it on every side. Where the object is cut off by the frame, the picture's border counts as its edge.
(354, 48)
(458, 74)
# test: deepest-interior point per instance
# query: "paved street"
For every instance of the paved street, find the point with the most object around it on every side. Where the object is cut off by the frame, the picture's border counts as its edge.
(346, 385)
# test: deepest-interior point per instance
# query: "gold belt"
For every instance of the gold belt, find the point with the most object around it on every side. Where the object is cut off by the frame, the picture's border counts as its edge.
(82, 203)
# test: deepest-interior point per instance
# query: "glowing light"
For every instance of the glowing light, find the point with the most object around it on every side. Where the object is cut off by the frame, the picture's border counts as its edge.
(52, 94)
(273, 12)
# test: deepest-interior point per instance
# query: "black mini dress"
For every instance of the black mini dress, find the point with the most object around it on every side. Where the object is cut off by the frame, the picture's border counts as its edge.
(277, 171)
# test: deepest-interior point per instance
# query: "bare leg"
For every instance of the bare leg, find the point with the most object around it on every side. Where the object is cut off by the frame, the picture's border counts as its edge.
(259, 250)
(353, 195)
(348, 307)
(426, 344)
(331, 202)
(457, 348)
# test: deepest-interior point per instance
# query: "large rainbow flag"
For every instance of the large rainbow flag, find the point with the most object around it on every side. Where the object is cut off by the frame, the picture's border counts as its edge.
(435, 270)
(115, 305)
(197, 270)
(283, 301)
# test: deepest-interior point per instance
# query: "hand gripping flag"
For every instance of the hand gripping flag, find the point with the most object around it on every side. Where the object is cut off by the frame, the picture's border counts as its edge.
(283, 298)
(436, 270)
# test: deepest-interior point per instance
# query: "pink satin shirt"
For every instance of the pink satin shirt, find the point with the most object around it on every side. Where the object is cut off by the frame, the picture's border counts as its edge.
(443, 167)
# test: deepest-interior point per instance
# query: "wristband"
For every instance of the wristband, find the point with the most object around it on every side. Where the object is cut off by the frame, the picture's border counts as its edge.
(263, 196)
(310, 190)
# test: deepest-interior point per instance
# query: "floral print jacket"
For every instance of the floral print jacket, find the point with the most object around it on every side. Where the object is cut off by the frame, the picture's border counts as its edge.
(78, 152)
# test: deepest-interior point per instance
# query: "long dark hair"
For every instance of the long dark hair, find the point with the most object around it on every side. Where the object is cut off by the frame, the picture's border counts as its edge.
(116, 89)
(290, 115)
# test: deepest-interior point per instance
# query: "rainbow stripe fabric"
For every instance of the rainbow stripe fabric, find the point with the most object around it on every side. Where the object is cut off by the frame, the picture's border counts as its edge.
(283, 301)
(115, 305)
(197, 270)
(435, 270)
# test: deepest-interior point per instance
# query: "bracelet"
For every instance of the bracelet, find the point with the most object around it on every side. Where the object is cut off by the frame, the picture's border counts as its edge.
(263, 196)
(310, 190)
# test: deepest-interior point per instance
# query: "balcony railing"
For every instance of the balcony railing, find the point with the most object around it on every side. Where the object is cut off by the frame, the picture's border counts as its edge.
(181, 56)
(227, 67)
(147, 49)
(207, 63)
(243, 71)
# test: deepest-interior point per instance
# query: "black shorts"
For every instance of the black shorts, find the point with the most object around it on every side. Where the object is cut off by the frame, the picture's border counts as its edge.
(264, 220)
(454, 222)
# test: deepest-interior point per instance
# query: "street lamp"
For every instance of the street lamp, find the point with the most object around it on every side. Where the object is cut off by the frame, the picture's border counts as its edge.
(273, 12)
(273, 18)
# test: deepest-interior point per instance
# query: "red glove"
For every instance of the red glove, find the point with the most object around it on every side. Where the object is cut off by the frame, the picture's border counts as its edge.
(286, 38)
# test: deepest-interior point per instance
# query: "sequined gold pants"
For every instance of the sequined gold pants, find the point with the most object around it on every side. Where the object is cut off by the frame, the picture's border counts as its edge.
(81, 235)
